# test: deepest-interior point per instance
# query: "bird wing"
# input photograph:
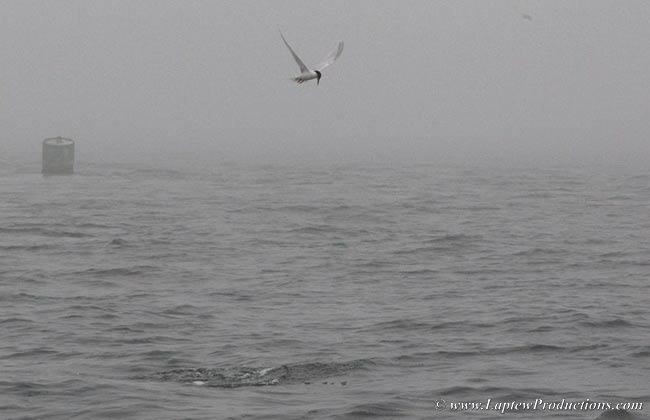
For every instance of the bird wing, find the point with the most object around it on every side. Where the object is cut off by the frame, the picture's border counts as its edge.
(331, 57)
(303, 68)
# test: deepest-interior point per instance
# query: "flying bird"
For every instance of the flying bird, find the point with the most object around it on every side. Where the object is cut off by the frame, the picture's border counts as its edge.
(305, 72)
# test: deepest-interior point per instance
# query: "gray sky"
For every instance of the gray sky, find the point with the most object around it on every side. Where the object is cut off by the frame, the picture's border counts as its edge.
(422, 80)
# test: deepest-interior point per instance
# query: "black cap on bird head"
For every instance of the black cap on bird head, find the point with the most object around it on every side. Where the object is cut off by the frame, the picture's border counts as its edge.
(318, 76)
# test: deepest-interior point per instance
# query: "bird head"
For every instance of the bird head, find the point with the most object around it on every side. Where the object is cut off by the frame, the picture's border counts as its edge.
(318, 76)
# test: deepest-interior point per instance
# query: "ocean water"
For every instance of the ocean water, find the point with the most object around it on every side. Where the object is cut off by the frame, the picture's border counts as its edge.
(322, 292)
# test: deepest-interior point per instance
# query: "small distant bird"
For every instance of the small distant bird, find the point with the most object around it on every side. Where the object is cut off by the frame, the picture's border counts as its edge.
(527, 16)
(305, 72)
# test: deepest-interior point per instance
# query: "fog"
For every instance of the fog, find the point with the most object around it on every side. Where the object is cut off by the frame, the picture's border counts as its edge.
(515, 81)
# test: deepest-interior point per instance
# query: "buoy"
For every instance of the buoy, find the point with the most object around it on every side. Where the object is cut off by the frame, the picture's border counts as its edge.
(58, 156)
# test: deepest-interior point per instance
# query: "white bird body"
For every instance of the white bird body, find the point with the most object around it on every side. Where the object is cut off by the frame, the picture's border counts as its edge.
(303, 77)
(307, 73)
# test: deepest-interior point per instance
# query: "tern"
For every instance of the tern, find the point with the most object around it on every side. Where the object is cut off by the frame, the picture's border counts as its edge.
(305, 72)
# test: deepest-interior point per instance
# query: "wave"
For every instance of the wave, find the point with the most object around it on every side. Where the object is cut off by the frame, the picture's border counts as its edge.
(183, 309)
(300, 208)
(118, 271)
(30, 354)
(607, 323)
(35, 247)
(118, 243)
(16, 320)
(406, 325)
(316, 229)
(401, 325)
(617, 415)
(390, 409)
(449, 242)
(44, 232)
(453, 237)
(534, 252)
(418, 358)
(643, 352)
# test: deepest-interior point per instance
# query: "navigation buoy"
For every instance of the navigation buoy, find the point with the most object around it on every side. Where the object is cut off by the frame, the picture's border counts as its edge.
(58, 156)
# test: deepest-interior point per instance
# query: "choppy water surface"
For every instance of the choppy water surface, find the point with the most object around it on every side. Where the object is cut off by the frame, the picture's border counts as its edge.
(325, 292)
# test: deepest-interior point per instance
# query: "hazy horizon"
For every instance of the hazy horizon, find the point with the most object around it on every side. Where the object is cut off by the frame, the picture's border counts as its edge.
(417, 81)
